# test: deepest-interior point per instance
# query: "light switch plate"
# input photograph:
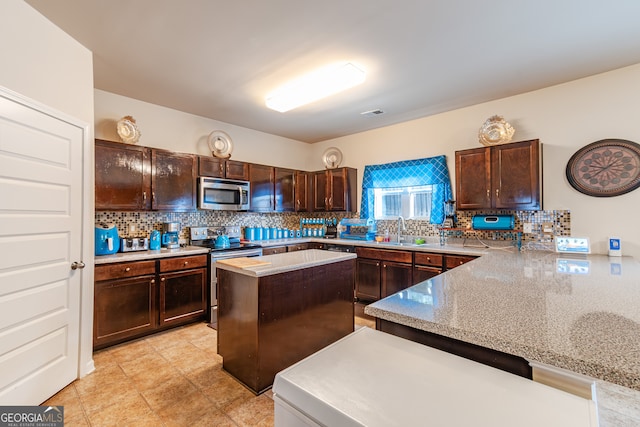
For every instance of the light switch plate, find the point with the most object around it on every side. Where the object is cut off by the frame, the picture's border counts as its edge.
(547, 227)
(527, 227)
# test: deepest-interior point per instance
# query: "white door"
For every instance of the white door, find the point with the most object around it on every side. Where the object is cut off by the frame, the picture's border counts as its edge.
(40, 238)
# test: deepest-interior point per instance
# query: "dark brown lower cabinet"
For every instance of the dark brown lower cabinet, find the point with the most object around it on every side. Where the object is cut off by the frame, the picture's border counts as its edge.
(268, 323)
(426, 266)
(133, 299)
(381, 272)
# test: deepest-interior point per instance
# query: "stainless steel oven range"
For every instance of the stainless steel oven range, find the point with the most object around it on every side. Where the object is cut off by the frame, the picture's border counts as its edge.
(206, 237)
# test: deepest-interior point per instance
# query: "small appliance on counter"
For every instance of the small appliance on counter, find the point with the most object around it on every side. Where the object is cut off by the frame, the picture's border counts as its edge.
(171, 235)
(357, 229)
(107, 241)
(450, 214)
(154, 240)
(332, 229)
(132, 244)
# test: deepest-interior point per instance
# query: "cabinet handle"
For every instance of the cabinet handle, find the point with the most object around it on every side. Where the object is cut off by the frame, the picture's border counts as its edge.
(384, 265)
(461, 262)
(497, 193)
(153, 196)
(488, 194)
(223, 171)
(377, 264)
(186, 262)
(127, 269)
(330, 202)
(428, 259)
(153, 281)
(144, 196)
(162, 279)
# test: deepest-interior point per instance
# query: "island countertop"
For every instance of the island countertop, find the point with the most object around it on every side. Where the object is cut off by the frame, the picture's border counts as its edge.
(288, 261)
(580, 314)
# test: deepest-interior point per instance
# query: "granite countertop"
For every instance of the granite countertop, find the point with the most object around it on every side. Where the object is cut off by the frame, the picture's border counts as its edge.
(289, 261)
(145, 255)
(580, 314)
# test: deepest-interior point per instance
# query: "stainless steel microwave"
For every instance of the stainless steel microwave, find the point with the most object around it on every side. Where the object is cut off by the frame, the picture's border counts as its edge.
(223, 194)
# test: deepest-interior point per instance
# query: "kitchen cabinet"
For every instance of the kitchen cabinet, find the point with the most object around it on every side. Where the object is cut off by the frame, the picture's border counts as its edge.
(134, 178)
(297, 247)
(426, 265)
(335, 190)
(222, 168)
(284, 192)
(262, 182)
(122, 176)
(453, 261)
(301, 191)
(504, 176)
(137, 298)
(173, 181)
(271, 250)
(381, 272)
(183, 292)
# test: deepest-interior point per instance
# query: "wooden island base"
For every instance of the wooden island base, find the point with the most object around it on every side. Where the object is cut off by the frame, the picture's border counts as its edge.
(268, 323)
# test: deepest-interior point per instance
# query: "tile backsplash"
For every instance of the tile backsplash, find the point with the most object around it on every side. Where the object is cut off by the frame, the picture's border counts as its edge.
(140, 224)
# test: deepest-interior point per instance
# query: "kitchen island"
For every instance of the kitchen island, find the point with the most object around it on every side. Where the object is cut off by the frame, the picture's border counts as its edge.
(275, 310)
(579, 314)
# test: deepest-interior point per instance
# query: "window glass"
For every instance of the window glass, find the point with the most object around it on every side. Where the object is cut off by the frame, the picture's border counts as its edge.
(410, 202)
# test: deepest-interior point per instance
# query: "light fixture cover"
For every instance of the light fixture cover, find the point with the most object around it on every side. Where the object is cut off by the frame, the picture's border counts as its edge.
(314, 86)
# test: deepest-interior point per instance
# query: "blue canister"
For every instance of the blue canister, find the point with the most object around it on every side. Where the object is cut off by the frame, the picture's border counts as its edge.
(250, 233)
(259, 233)
(265, 233)
(154, 240)
(280, 233)
(273, 233)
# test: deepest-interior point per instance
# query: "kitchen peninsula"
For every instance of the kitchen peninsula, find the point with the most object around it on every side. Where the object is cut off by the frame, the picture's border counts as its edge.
(277, 309)
(579, 314)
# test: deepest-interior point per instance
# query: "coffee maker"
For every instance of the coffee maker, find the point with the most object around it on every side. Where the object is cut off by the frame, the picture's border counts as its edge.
(449, 214)
(170, 235)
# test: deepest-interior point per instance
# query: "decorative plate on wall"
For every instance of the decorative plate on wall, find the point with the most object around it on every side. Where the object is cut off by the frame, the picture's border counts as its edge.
(332, 157)
(220, 144)
(127, 130)
(605, 168)
(495, 130)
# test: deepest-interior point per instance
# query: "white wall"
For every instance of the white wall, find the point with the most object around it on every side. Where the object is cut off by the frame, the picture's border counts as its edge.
(41, 62)
(162, 127)
(564, 117)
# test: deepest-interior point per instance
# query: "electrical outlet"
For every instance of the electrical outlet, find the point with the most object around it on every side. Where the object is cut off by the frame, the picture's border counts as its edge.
(527, 227)
(547, 227)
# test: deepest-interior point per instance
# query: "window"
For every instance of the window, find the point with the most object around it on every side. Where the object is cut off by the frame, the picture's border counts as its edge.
(415, 189)
(410, 202)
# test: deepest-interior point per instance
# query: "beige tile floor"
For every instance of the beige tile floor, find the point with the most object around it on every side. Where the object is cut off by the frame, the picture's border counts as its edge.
(172, 378)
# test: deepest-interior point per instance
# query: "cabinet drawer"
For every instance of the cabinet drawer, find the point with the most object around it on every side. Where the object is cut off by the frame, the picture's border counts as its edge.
(274, 250)
(428, 259)
(455, 261)
(297, 247)
(123, 269)
(382, 254)
(183, 263)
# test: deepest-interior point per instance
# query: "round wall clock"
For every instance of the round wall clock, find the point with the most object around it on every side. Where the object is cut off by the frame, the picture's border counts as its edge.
(605, 168)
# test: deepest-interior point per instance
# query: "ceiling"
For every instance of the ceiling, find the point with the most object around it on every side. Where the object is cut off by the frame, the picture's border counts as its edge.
(220, 58)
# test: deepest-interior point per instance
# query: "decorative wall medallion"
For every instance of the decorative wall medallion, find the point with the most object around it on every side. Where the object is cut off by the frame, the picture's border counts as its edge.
(127, 130)
(605, 168)
(220, 144)
(494, 131)
(332, 157)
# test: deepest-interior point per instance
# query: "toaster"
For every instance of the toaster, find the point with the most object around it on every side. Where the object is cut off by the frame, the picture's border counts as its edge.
(131, 244)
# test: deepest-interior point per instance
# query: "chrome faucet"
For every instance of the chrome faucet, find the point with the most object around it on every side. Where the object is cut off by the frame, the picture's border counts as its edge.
(404, 227)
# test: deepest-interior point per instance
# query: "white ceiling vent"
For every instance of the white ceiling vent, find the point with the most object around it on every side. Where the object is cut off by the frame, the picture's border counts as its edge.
(372, 113)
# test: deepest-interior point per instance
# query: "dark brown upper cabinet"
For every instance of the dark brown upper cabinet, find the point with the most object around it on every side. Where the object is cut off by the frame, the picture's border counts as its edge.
(302, 191)
(133, 178)
(262, 182)
(335, 190)
(173, 181)
(507, 176)
(285, 200)
(221, 168)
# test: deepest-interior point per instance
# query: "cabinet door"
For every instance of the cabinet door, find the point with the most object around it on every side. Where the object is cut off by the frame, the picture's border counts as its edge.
(284, 190)
(298, 247)
(515, 170)
(423, 272)
(301, 191)
(473, 179)
(237, 170)
(123, 308)
(395, 277)
(183, 296)
(367, 279)
(211, 166)
(320, 199)
(274, 250)
(262, 188)
(453, 261)
(173, 181)
(122, 177)
(341, 195)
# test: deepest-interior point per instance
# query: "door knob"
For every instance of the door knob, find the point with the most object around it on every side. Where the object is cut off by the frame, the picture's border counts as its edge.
(77, 265)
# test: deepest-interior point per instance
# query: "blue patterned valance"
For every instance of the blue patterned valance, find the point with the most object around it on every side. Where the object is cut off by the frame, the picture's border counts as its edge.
(408, 173)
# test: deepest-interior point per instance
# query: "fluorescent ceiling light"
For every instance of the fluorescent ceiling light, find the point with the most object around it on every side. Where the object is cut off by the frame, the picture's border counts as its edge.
(314, 86)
